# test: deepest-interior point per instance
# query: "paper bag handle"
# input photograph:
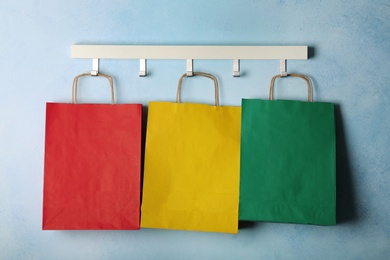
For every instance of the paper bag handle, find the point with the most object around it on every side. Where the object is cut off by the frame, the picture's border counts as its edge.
(75, 82)
(306, 78)
(203, 74)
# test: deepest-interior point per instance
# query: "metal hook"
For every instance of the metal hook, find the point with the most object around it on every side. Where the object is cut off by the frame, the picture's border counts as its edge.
(142, 67)
(283, 68)
(190, 71)
(236, 68)
(95, 67)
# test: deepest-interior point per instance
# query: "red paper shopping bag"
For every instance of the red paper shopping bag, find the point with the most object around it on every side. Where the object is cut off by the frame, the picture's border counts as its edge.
(92, 165)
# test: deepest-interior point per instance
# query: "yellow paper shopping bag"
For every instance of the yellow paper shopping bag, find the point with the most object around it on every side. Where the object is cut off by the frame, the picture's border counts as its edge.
(191, 176)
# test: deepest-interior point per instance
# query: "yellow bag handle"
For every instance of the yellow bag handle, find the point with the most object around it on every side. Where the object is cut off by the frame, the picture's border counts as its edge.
(203, 74)
(306, 78)
(75, 82)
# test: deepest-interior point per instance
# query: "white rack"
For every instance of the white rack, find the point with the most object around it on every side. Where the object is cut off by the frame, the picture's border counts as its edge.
(189, 53)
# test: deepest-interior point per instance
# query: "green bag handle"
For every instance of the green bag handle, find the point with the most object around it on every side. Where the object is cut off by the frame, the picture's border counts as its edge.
(203, 74)
(306, 78)
(76, 79)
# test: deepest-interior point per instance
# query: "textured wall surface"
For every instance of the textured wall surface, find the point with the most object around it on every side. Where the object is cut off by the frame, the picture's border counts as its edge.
(349, 59)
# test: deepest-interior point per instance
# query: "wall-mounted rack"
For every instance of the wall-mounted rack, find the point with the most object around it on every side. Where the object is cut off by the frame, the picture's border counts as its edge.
(189, 53)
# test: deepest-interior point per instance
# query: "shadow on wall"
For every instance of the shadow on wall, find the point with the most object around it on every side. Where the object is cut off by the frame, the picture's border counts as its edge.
(311, 52)
(143, 145)
(345, 200)
(243, 224)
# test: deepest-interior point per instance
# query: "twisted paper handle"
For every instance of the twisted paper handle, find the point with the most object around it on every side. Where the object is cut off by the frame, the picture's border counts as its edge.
(304, 77)
(203, 74)
(75, 82)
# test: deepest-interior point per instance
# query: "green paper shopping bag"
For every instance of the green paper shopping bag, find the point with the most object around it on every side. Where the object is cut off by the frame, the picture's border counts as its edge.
(288, 160)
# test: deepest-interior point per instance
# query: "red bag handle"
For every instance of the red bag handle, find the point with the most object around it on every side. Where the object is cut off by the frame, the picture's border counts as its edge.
(306, 78)
(76, 79)
(203, 74)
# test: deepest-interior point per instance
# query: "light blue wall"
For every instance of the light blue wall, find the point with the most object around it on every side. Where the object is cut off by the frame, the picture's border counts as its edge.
(349, 65)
